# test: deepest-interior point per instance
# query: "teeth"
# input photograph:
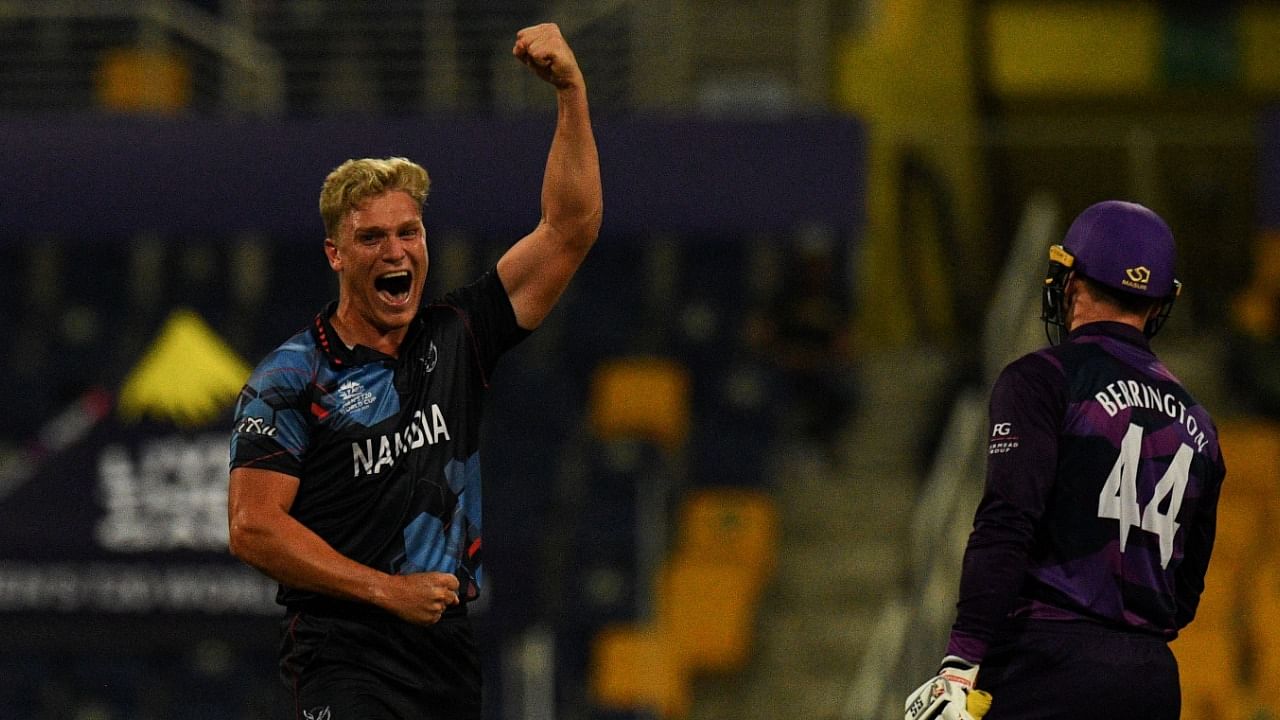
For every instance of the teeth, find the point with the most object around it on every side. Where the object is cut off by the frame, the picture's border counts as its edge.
(399, 273)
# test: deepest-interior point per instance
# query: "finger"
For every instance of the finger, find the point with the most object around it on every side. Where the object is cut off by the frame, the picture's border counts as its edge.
(524, 38)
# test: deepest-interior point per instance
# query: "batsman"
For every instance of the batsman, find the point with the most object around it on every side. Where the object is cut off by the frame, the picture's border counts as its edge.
(1091, 541)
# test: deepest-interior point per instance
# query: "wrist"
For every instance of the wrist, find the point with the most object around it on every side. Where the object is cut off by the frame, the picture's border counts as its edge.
(572, 91)
(957, 670)
(378, 589)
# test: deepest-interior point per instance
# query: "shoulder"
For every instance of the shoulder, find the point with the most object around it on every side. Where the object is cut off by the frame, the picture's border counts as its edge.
(485, 288)
(291, 364)
(1042, 366)
(1034, 383)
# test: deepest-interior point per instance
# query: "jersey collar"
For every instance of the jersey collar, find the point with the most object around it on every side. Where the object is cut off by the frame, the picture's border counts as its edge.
(338, 354)
(1118, 330)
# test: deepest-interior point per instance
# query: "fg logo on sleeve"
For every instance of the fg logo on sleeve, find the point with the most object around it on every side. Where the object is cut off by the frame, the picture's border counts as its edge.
(1002, 439)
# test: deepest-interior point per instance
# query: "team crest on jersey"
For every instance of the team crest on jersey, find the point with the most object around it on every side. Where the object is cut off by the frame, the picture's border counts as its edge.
(353, 397)
(317, 713)
(429, 362)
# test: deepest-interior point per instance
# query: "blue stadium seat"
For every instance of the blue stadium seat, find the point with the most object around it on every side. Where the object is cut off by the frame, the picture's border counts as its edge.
(603, 581)
(604, 307)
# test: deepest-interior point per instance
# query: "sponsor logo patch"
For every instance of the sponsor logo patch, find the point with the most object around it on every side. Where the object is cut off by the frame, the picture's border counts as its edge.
(1002, 439)
(1137, 277)
(256, 426)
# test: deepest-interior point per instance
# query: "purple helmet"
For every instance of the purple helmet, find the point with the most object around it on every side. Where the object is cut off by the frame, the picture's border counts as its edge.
(1125, 246)
(1119, 244)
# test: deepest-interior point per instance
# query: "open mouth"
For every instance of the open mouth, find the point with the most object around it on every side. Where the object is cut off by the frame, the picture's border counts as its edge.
(395, 286)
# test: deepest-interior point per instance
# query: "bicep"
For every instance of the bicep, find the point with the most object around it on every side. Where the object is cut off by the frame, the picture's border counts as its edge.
(254, 496)
(1027, 404)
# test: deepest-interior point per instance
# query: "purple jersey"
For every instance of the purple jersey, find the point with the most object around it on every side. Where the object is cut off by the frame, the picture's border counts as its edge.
(1102, 487)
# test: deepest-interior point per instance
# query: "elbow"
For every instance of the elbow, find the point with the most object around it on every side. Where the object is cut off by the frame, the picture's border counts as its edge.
(237, 544)
(574, 234)
(577, 225)
(594, 223)
(244, 540)
(583, 231)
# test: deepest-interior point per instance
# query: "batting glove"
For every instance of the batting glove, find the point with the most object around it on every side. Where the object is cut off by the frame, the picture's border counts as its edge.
(949, 695)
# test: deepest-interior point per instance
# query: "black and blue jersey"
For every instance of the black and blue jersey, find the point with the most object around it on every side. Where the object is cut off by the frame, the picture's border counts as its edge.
(386, 450)
(1103, 476)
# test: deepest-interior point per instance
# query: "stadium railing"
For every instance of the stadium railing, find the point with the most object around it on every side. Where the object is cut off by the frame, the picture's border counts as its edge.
(910, 633)
(249, 73)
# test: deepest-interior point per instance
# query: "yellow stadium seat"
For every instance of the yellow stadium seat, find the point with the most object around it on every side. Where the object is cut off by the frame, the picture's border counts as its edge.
(644, 397)
(1230, 654)
(1263, 627)
(734, 526)
(1266, 259)
(1241, 535)
(636, 668)
(1220, 603)
(137, 79)
(1254, 308)
(1251, 449)
(708, 611)
(1208, 663)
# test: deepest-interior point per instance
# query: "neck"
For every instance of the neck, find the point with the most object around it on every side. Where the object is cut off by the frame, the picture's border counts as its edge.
(354, 330)
(1086, 310)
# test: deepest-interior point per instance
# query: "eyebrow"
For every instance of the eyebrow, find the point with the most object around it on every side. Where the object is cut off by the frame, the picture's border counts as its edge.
(380, 229)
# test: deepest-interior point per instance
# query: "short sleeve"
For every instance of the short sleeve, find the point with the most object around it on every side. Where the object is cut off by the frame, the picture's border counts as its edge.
(489, 317)
(270, 429)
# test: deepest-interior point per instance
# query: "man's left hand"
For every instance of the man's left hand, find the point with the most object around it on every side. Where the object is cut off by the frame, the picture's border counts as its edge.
(546, 52)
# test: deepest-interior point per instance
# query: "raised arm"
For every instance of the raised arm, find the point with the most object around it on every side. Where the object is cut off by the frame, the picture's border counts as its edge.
(537, 269)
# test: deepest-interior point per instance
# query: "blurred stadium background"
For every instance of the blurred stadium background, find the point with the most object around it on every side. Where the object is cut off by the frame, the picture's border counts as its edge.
(732, 476)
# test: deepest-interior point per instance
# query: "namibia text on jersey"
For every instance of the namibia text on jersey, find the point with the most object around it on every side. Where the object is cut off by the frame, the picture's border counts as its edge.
(369, 457)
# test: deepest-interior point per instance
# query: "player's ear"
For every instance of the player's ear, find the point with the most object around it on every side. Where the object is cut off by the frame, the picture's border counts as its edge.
(331, 252)
(1070, 287)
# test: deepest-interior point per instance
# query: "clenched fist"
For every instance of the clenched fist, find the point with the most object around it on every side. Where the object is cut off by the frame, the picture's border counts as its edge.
(420, 598)
(545, 51)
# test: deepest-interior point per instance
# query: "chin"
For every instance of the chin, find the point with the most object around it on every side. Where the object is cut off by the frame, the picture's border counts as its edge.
(399, 320)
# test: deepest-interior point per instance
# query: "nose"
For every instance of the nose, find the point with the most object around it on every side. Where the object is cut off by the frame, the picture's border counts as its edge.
(393, 250)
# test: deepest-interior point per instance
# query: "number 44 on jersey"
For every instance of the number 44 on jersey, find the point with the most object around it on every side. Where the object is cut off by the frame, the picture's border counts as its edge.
(1119, 497)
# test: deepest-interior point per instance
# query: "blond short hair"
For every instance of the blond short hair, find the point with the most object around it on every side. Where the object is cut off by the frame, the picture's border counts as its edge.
(355, 181)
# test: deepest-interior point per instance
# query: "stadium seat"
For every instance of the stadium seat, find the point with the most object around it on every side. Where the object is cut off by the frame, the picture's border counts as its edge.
(1230, 653)
(736, 527)
(1208, 665)
(1263, 629)
(604, 310)
(644, 397)
(137, 79)
(1251, 448)
(1222, 600)
(1241, 532)
(635, 667)
(1254, 309)
(707, 609)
